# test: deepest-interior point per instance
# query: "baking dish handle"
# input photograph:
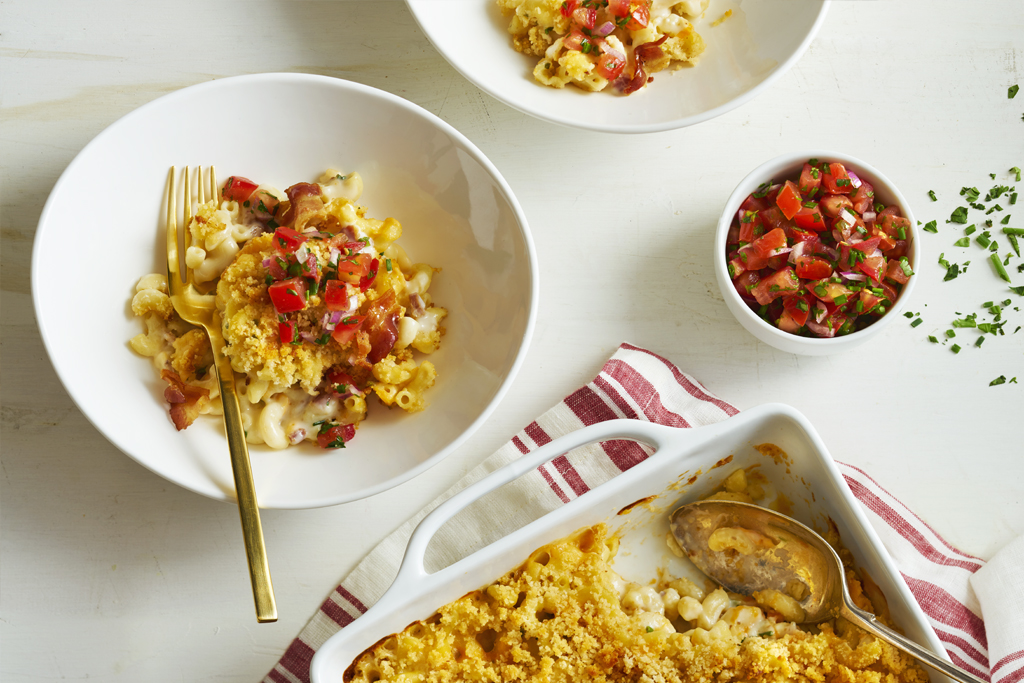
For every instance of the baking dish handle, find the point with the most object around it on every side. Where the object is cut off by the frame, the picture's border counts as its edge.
(656, 435)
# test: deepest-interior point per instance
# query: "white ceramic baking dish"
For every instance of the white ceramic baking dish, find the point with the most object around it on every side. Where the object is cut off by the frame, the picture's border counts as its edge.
(688, 463)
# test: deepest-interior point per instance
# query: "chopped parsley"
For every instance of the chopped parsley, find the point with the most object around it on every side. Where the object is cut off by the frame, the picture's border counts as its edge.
(1011, 92)
(931, 193)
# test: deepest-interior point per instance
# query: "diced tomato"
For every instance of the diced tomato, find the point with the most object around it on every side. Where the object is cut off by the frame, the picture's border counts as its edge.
(639, 15)
(238, 189)
(885, 241)
(353, 269)
(568, 7)
(733, 236)
(288, 295)
(278, 268)
(577, 40)
(832, 204)
(347, 328)
(863, 197)
(890, 292)
(772, 218)
(810, 180)
(752, 203)
(770, 242)
(836, 180)
(286, 331)
(797, 235)
(750, 226)
(899, 248)
(338, 381)
(335, 435)
(891, 210)
(788, 323)
(751, 259)
(789, 200)
(609, 67)
(893, 224)
(585, 17)
(798, 308)
(828, 292)
(336, 295)
(809, 218)
(775, 285)
(371, 275)
(873, 267)
(868, 301)
(813, 268)
(745, 283)
(287, 240)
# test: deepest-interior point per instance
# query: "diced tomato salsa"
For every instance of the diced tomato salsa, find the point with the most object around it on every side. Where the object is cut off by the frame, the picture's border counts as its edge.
(817, 255)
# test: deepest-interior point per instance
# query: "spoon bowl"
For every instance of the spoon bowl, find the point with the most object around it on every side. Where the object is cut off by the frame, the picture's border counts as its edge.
(749, 549)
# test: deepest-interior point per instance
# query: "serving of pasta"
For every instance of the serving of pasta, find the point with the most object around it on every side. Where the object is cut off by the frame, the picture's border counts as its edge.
(319, 307)
(567, 615)
(593, 43)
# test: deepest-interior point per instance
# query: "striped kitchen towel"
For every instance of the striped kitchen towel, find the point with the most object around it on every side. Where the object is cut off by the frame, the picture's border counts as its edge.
(637, 384)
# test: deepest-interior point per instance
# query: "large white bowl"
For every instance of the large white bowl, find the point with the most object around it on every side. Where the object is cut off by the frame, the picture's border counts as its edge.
(688, 464)
(745, 54)
(788, 166)
(101, 229)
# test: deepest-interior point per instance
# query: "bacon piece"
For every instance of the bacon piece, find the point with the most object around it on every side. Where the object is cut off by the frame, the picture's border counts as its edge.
(641, 54)
(305, 206)
(382, 326)
(184, 399)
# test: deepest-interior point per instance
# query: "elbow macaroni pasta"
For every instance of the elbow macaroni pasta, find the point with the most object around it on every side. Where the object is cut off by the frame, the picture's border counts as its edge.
(565, 615)
(592, 43)
(349, 339)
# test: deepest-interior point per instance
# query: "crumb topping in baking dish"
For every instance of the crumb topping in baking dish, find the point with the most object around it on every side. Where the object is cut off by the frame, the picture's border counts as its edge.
(566, 615)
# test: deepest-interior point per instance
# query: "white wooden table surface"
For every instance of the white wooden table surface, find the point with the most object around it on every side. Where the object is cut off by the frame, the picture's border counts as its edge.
(111, 573)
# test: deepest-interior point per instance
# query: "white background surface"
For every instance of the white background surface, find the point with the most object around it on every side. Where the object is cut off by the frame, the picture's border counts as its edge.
(110, 573)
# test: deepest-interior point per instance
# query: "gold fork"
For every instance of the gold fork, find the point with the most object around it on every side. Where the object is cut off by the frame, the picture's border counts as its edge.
(198, 308)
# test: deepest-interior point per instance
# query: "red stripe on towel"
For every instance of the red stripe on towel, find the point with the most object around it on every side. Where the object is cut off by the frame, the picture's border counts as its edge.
(644, 393)
(296, 659)
(905, 529)
(691, 387)
(943, 608)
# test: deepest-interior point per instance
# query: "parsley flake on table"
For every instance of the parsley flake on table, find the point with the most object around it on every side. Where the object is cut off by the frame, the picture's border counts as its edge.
(1011, 92)
(931, 193)
(1001, 379)
(959, 215)
(930, 227)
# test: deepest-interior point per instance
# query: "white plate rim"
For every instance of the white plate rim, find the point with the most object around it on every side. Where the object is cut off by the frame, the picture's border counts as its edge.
(418, 6)
(38, 268)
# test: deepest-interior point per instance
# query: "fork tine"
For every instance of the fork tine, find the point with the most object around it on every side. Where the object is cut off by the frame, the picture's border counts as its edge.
(213, 183)
(172, 227)
(188, 213)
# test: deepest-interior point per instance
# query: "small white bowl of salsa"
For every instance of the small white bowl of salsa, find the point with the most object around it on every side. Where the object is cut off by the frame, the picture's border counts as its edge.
(816, 252)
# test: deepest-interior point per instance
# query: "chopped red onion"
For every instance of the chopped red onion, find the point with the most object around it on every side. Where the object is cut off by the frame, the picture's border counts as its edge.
(819, 329)
(869, 216)
(297, 436)
(820, 311)
(308, 336)
(605, 28)
(854, 180)
(780, 251)
(266, 262)
(831, 252)
(335, 254)
(850, 275)
(850, 219)
(798, 250)
(301, 253)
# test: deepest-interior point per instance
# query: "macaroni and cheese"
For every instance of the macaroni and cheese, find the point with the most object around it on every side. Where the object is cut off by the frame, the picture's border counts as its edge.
(591, 43)
(319, 308)
(566, 615)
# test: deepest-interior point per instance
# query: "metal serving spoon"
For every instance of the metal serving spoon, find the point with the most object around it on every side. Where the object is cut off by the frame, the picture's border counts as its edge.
(756, 549)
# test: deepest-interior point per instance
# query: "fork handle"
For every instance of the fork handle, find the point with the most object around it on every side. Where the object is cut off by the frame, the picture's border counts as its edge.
(245, 488)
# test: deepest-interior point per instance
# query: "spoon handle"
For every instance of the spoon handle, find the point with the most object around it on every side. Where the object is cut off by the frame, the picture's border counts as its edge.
(867, 621)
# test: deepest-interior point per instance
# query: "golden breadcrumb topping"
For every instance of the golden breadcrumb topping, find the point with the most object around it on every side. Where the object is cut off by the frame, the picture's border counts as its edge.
(558, 619)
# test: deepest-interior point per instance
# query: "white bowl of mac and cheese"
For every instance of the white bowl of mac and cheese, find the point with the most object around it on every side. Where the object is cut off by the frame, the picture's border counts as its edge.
(462, 279)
